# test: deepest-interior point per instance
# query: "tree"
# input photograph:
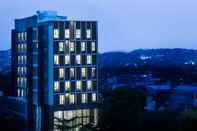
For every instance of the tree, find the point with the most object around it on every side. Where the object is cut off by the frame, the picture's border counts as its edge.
(121, 109)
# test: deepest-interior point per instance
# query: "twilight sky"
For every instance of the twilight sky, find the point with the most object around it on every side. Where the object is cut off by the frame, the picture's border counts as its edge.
(124, 25)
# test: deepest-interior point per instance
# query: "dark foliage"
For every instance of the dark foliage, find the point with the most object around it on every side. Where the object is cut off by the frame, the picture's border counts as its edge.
(5, 83)
(121, 109)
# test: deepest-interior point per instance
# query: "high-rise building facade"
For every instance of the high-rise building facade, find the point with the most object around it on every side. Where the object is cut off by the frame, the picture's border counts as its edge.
(54, 69)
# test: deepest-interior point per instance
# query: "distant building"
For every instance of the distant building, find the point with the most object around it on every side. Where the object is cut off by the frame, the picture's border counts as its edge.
(132, 80)
(164, 97)
(54, 69)
(184, 96)
(157, 97)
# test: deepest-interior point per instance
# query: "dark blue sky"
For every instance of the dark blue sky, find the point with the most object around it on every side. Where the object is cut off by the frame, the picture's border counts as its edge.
(124, 25)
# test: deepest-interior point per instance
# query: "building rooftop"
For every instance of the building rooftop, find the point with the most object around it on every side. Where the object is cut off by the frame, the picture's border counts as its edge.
(186, 88)
(44, 16)
(159, 87)
(40, 17)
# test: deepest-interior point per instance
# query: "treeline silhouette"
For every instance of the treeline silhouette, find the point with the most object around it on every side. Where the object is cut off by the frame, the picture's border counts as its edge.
(123, 110)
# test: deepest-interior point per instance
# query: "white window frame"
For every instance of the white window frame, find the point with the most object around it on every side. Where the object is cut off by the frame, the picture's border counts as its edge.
(78, 33)
(67, 33)
(78, 59)
(88, 33)
(61, 99)
(83, 46)
(61, 73)
(89, 59)
(61, 46)
(67, 59)
(56, 60)
(56, 33)
(56, 86)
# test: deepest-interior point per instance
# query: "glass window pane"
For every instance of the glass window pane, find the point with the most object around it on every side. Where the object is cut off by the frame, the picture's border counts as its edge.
(88, 33)
(56, 33)
(56, 59)
(67, 33)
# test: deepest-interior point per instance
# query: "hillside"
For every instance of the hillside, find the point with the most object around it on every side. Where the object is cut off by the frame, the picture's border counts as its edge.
(158, 57)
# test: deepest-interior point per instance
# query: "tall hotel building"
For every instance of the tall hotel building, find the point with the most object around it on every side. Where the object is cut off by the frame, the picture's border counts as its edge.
(54, 70)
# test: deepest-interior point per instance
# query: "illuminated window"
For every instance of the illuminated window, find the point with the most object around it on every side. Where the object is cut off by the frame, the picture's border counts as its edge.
(61, 99)
(67, 95)
(71, 46)
(78, 33)
(56, 59)
(24, 48)
(22, 70)
(67, 98)
(25, 35)
(67, 59)
(93, 44)
(18, 70)
(19, 36)
(18, 59)
(67, 85)
(22, 93)
(56, 86)
(25, 59)
(25, 70)
(72, 99)
(89, 84)
(83, 72)
(88, 33)
(56, 33)
(18, 47)
(58, 114)
(24, 82)
(21, 47)
(84, 98)
(67, 33)
(61, 46)
(22, 59)
(93, 97)
(18, 82)
(89, 59)
(72, 72)
(61, 73)
(78, 59)
(22, 36)
(78, 85)
(67, 45)
(83, 46)
(18, 92)
(93, 72)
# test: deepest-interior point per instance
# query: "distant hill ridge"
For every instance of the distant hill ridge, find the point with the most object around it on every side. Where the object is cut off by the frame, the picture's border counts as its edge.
(160, 57)
(5, 60)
